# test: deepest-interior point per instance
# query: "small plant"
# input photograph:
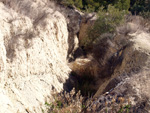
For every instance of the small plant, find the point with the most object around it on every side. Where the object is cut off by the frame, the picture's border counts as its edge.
(42, 110)
(71, 102)
(124, 109)
(127, 108)
(47, 104)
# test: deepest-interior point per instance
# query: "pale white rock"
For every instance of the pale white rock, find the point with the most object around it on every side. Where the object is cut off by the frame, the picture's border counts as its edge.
(33, 45)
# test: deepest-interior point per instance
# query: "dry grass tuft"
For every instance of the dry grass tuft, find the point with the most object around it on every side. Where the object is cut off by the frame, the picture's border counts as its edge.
(66, 103)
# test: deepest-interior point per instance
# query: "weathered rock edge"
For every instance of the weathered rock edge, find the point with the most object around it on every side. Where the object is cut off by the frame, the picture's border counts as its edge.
(33, 45)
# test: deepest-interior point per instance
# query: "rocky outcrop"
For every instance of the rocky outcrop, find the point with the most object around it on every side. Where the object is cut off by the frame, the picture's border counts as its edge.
(129, 77)
(74, 21)
(117, 68)
(33, 45)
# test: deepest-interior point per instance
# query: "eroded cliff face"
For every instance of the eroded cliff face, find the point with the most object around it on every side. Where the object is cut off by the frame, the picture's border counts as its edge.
(33, 45)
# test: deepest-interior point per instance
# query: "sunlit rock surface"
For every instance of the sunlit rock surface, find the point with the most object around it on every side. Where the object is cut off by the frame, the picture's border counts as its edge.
(33, 45)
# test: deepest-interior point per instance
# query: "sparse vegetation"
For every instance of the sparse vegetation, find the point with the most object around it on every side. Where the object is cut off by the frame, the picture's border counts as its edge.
(137, 6)
(93, 5)
(67, 103)
(74, 102)
(107, 22)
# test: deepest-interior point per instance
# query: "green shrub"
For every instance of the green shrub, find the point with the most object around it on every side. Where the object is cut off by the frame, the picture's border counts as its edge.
(107, 22)
(137, 6)
(145, 15)
(66, 102)
(76, 3)
(122, 4)
(93, 5)
(67, 2)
